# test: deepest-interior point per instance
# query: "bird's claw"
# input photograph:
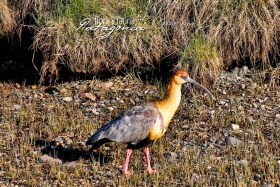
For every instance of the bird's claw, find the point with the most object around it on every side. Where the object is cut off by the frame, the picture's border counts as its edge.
(128, 173)
(150, 171)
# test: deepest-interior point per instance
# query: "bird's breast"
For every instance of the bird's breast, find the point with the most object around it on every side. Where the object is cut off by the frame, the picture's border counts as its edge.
(157, 130)
(156, 134)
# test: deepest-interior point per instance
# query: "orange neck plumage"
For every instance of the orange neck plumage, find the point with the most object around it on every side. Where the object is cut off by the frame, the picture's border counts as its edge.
(170, 103)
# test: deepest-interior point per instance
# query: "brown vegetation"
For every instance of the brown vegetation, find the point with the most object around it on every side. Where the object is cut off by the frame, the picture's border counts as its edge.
(7, 20)
(274, 77)
(195, 151)
(205, 36)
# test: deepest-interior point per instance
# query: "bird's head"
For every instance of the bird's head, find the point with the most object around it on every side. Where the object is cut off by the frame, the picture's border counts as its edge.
(181, 77)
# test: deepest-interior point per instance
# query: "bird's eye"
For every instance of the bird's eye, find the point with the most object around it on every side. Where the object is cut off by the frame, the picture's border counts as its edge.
(183, 76)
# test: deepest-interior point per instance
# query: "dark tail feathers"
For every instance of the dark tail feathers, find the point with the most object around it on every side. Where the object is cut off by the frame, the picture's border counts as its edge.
(97, 144)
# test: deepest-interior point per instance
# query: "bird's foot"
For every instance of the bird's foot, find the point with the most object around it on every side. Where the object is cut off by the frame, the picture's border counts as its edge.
(150, 171)
(128, 173)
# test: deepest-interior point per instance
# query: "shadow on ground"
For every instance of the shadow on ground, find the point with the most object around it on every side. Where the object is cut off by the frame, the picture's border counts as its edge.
(70, 153)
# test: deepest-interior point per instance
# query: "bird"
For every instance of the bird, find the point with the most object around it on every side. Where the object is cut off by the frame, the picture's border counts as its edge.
(141, 125)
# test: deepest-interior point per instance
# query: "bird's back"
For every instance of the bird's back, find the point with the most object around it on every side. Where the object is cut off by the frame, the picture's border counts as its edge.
(132, 126)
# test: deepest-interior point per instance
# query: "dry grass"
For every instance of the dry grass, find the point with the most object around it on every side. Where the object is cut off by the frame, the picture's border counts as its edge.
(7, 20)
(274, 77)
(202, 60)
(45, 117)
(245, 29)
(236, 31)
(84, 52)
(206, 35)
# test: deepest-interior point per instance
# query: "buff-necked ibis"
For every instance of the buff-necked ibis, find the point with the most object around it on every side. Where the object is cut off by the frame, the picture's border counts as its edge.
(143, 124)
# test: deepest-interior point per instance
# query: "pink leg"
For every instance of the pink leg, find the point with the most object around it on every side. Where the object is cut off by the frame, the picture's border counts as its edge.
(125, 167)
(147, 155)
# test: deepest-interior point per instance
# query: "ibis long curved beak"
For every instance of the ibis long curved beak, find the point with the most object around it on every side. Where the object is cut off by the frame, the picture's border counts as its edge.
(189, 80)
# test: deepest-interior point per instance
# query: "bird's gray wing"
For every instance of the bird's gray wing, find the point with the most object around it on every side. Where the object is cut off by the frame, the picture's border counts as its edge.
(131, 126)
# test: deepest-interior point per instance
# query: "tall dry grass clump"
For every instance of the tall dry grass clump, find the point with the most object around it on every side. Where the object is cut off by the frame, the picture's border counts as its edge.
(7, 20)
(205, 36)
(274, 77)
(63, 40)
(246, 29)
(210, 35)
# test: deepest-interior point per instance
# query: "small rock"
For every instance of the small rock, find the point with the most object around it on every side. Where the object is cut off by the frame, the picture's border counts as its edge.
(240, 108)
(77, 99)
(113, 101)
(268, 185)
(259, 100)
(67, 99)
(222, 102)
(59, 139)
(243, 163)
(71, 164)
(47, 158)
(88, 96)
(132, 101)
(255, 105)
(253, 85)
(94, 111)
(277, 116)
(251, 132)
(251, 120)
(170, 155)
(110, 108)
(16, 107)
(211, 112)
(63, 91)
(181, 156)
(257, 177)
(220, 142)
(245, 70)
(234, 141)
(106, 84)
(195, 177)
(225, 133)
(235, 126)
(212, 140)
